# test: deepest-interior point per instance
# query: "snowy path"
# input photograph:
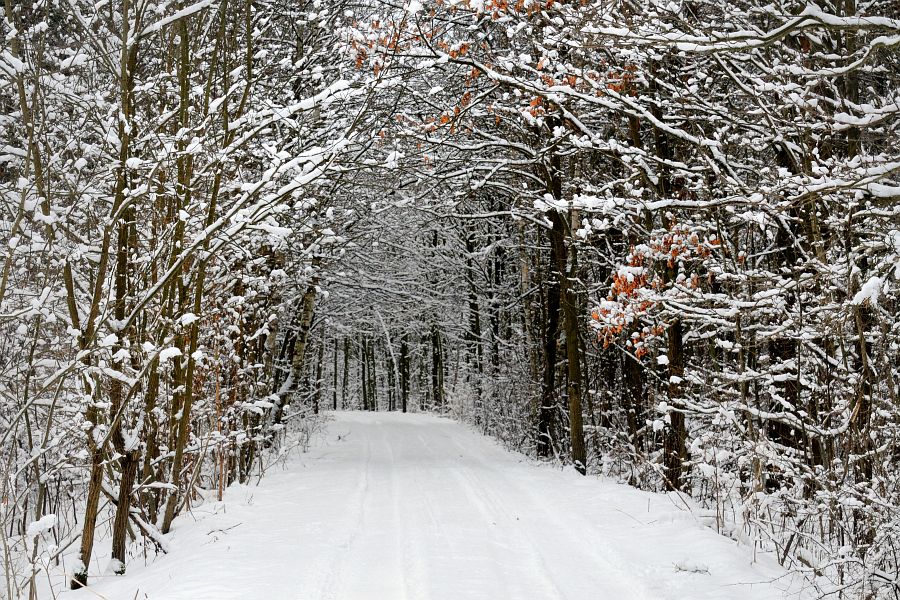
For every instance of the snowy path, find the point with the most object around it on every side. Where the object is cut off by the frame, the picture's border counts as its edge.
(395, 507)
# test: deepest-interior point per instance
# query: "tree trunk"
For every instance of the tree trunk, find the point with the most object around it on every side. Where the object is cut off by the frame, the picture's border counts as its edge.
(437, 368)
(307, 310)
(129, 464)
(633, 373)
(363, 372)
(334, 377)
(571, 319)
(317, 395)
(346, 375)
(551, 335)
(404, 372)
(674, 448)
(373, 376)
(474, 347)
(92, 505)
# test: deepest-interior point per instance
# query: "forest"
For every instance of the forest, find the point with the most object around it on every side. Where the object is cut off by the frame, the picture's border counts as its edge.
(651, 240)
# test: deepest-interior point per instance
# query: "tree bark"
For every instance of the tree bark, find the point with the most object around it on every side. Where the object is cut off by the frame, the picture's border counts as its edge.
(307, 310)
(571, 319)
(437, 368)
(548, 383)
(334, 377)
(346, 375)
(674, 448)
(474, 347)
(363, 372)
(404, 372)
(129, 464)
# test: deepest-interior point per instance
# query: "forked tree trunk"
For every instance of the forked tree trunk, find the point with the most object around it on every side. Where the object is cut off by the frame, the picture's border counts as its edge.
(97, 447)
(129, 465)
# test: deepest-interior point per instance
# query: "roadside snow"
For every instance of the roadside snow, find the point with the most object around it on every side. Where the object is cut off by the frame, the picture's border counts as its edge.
(416, 507)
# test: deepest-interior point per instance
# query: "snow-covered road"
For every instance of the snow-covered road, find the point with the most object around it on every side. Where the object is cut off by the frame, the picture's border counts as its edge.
(394, 507)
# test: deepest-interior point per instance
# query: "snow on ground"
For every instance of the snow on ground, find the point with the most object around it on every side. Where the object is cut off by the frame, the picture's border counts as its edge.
(394, 507)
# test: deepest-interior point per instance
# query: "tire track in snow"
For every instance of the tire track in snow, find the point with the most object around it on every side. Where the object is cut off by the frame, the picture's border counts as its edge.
(410, 529)
(492, 510)
(579, 531)
(547, 520)
(400, 540)
(340, 553)
(377, 554)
